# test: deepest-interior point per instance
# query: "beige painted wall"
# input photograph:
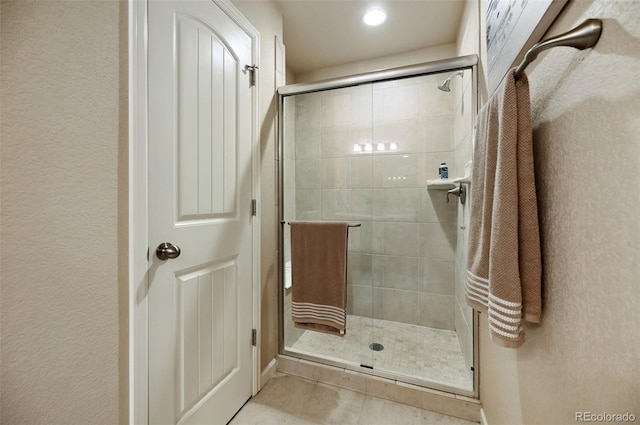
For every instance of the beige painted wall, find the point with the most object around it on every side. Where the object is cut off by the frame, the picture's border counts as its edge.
(393, 61)
(468, 42)
(267, 19)
(64, 212)
(584, 355)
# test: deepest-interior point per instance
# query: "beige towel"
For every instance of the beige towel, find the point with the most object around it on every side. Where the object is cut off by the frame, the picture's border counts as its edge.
(319, 276)
(504, 271)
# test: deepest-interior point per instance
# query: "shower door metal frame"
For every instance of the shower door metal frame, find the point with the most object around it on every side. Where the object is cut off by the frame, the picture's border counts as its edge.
(446, 65)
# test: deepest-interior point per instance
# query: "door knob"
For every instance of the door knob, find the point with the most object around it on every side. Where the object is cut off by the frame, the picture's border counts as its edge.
(167, 250)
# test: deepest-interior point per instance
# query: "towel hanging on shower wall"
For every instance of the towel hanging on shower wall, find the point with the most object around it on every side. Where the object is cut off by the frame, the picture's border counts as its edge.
(319, 276)
(504, 268)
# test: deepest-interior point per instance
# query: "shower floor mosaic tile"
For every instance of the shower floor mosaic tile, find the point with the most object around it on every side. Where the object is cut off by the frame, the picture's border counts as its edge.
(410, 350)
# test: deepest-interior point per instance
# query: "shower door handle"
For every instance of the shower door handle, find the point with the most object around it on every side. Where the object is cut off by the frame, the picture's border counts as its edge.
(167, 250)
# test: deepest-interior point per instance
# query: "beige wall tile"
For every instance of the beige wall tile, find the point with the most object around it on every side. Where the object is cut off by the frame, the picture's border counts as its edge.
(437, 276)
(433, 160)
(395, 103)
(306, 142)
(308, 205)
(434, 102)
(337, 142)
(308, 109)
(402, 171)
(407, 134)
(360, 239)
(437, 311)
(377, 167)
(400, 306)
(436, 242)
(336, 108)
(308, 174)
(438, 133)
(402, 239)
(361, 172)
(335, 173)
(401, 204)
(350, 205)
(401, 272)
(362, 300)
(434, 207)
(359, 269)
(377, 235)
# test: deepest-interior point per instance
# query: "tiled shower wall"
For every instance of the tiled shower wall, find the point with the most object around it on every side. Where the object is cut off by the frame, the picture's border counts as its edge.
(402, 258)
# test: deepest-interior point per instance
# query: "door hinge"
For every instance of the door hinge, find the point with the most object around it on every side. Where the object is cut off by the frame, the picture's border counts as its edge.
(252, 69)
(254, 337)
(254, 207)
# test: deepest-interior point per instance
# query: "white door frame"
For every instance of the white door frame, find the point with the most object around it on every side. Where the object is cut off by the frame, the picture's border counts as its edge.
(138, 209)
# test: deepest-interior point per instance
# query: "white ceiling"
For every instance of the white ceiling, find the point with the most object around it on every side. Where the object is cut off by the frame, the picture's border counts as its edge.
(321, 33)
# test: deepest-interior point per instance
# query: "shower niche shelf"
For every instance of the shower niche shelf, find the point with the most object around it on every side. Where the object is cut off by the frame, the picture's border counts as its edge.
(440, 184)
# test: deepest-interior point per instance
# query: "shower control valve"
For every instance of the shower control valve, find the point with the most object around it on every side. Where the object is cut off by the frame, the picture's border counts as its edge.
(459, 192)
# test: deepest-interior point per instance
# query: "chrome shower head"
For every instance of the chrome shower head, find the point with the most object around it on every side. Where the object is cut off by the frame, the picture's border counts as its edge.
(446, 83)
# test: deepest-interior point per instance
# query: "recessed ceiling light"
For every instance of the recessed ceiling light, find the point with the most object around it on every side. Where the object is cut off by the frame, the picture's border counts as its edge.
(374, 16)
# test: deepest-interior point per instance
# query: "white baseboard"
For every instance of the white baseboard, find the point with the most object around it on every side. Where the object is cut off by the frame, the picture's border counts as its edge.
(268, 372)
(483, 417)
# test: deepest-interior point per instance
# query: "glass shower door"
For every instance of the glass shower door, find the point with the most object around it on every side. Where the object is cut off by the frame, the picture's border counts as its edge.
(364, 154)
(327, 173)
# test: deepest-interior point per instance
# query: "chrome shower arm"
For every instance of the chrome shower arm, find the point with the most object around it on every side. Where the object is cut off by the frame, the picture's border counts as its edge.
(581, 37)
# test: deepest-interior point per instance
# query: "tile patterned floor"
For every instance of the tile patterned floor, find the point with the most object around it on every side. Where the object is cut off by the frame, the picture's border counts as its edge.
(411, 350)
(291, 400)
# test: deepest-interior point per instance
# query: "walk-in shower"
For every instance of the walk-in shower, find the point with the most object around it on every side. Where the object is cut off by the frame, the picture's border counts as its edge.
(366, 150)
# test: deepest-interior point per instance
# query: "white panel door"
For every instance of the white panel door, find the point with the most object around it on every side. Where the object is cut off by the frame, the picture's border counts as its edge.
(200, 303)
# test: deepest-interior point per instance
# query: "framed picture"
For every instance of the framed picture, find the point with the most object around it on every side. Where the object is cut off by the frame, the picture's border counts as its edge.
(513, 26)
